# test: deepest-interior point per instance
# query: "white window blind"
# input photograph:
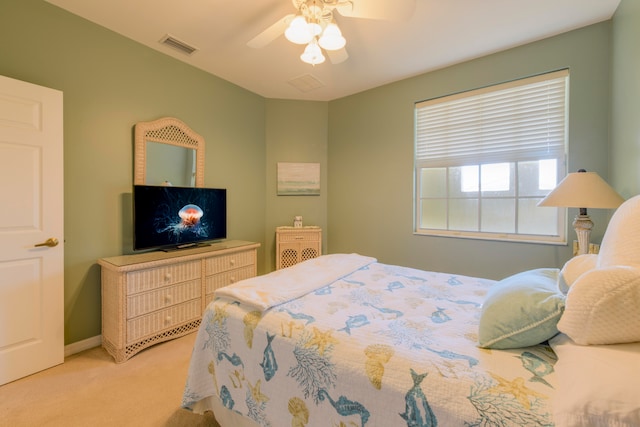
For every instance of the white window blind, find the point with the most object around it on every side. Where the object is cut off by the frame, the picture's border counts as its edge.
(515, 121)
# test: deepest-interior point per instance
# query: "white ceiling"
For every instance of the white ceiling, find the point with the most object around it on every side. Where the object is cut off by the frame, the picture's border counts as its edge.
(439, 33)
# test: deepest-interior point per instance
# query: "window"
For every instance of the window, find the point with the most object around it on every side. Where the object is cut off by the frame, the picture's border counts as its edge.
(485, 158)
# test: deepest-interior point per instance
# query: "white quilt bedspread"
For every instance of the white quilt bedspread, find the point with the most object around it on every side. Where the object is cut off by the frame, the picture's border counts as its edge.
(381, 346)
(264, 292)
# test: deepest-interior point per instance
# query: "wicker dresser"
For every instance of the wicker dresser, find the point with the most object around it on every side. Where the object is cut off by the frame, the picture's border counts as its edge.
(296, 244)
(157, 296)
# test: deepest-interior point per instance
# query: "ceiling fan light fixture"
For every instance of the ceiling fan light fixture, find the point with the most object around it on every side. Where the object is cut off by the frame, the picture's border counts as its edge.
(298, 31)
(314, 26)
(312, 54)
(332, 38)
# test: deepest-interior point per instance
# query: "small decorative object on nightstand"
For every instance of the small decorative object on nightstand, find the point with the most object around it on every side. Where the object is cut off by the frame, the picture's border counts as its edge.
(297, 244)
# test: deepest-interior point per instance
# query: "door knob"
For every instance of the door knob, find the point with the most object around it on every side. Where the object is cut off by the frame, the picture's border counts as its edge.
(51, 242)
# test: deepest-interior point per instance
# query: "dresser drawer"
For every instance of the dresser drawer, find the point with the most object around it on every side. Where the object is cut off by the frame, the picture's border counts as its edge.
(229, 262)
(156, 322)
(153, 278)
(146, 302)
(216, 281)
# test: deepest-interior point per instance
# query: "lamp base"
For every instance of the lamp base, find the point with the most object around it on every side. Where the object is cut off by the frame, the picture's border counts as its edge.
(583, 225)
(594, 248)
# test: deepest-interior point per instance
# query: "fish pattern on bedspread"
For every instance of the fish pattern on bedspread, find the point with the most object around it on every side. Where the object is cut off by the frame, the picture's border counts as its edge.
(382, 346)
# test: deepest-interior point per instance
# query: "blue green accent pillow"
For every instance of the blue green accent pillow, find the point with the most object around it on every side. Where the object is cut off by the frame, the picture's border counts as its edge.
(521, 310)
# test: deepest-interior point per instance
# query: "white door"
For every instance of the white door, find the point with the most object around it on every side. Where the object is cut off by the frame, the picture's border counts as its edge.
(31, 213)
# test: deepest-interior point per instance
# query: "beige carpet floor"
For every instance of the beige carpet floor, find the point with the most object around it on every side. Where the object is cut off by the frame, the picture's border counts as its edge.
(89, 389)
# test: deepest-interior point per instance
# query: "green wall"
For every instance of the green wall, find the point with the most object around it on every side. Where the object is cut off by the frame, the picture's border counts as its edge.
(371, 156)
(625, 101)
(109, 84)
(364, 143)
(296, 132)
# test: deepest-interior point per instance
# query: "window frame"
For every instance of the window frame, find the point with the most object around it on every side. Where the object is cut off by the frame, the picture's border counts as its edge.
(463, 158)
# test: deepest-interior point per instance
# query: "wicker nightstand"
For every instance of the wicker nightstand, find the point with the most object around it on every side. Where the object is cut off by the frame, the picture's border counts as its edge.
(297, 244)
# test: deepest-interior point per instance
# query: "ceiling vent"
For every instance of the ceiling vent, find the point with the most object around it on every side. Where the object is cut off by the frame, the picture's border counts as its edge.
(306, 83)
(169, 40)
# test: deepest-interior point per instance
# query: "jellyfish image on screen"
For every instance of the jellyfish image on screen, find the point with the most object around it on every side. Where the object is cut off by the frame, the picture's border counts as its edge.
(188, 220)
(190, 215)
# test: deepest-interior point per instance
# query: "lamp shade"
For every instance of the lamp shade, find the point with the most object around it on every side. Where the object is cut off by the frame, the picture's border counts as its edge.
(332, 38)
(583, 190)
(312, 54)
(298, 31)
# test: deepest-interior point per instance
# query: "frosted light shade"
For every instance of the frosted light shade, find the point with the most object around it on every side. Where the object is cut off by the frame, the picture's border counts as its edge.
(312, 54)
(298, 31)
(314, 28)
(332, 38)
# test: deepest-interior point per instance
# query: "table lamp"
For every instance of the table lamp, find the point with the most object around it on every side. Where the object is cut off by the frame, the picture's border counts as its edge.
(583, 190)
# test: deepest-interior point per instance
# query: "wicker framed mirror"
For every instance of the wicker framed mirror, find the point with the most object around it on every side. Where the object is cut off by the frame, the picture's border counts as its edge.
(168, 152)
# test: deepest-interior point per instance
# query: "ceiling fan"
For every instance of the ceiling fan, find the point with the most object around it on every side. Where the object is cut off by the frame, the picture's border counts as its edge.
(314, 25)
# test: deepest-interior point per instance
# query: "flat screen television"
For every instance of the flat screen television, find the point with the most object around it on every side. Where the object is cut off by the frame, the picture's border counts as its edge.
(166, 217)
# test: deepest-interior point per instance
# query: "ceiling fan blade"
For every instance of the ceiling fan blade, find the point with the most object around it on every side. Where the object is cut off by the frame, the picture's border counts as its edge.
(337, 56)
(271, 33)
(396, 10)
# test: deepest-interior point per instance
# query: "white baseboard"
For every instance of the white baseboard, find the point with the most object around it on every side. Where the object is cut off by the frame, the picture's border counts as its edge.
(78, 346)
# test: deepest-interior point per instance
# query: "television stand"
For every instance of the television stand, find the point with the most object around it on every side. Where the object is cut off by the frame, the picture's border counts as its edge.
(151, 297)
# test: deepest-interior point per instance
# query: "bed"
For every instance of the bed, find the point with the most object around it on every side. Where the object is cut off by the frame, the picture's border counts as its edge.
(344, 340)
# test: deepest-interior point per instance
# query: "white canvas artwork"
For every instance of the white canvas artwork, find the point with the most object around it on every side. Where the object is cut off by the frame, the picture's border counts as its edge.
(298, 179)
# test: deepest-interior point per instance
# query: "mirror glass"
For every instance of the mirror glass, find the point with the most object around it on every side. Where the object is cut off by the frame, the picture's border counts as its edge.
(167, 151)
(170, 164)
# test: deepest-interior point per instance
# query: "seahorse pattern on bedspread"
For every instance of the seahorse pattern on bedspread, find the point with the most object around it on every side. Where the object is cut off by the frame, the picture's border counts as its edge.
(382, 346)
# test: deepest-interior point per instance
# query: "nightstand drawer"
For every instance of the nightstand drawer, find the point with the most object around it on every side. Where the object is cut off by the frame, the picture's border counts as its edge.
(147, 302)
(153, 278)
(299, 237)
(154, 323)
(229, 262)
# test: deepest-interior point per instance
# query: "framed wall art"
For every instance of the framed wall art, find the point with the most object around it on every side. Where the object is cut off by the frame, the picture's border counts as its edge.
(298, 179)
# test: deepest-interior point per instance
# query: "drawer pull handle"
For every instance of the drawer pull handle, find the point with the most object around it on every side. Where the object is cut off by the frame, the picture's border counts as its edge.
(167, 277)
(232, 279)
(232, 262)
(168, 298)
(167, 319)
(299, 237)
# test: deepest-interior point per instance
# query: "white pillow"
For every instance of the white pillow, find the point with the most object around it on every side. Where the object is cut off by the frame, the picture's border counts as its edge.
(603, 307)
(574, 268)
(621, 242)
(596, 385)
